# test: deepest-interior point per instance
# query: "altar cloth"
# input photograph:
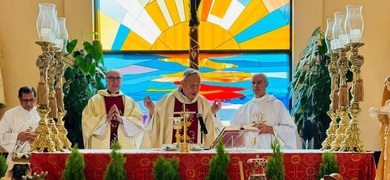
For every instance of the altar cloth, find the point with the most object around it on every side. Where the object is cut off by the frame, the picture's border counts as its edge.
(299, 164)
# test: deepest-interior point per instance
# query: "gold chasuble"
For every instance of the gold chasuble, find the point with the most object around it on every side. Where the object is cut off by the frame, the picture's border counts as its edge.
(160, 125)
(110, 101)
(192, 122)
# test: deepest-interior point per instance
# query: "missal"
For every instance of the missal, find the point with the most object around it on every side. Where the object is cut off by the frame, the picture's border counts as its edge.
(237, 137)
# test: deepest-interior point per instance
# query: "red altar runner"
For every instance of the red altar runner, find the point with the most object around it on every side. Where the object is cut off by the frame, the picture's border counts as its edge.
(299, 164)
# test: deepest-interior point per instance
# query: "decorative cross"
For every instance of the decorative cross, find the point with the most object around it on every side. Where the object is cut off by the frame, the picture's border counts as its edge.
(184, 114)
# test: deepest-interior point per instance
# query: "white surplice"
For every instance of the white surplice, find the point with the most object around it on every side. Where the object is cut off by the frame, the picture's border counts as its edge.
(273, 113)
(14, 121)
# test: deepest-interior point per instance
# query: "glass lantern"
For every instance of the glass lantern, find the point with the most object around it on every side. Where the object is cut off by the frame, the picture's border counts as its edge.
(340, 37)
(62, 39)
(42, 7)
(329, 34)
(354, 23)
(48, 26)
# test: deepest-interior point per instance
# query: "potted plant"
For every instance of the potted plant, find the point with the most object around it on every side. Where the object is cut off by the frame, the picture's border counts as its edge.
(275, 167)
(84, 76)
(329, 165)
(166, 169)
(74, 166)
(3, 166)
(115, 170)
(312, 84)
(219, 163)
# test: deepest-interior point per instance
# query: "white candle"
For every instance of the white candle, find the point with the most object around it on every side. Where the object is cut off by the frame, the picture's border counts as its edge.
(46, 34)
(344, 39)
(355, 35)
(60, 43)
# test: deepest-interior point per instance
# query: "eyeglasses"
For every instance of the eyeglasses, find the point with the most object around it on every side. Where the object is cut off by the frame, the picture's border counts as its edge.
(26, 101)
(112, 78)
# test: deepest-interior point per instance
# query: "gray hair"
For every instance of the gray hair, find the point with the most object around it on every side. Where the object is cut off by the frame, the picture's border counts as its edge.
(189, 72)
(261, 74)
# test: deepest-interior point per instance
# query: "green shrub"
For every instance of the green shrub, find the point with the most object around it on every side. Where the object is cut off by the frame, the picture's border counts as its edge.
(74, 167)
(166, 169)
(115, 170)
(275, 168)
(219, 163)
(3, 166)
(329, 165)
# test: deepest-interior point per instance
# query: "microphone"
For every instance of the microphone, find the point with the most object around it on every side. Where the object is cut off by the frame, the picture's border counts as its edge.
(201, 122)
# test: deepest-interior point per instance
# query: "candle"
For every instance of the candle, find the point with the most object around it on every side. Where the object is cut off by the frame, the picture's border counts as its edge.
(355, 35)
(46, 34)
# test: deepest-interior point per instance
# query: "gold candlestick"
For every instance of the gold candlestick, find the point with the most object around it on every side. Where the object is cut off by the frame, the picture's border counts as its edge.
(60, 70)
(342, 111)
(43, 142)
(51, 78)
(184, 146)
(352, 141)
(59, 73)
(334, 76)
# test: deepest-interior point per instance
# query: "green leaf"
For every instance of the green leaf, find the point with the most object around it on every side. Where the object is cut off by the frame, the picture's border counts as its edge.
(92, 69)
(71, 45)
(84, 63)
(97, 50)
(68, 74)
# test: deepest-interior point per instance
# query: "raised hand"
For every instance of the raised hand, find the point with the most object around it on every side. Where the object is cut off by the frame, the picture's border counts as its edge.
(216, 106)
(149, 104)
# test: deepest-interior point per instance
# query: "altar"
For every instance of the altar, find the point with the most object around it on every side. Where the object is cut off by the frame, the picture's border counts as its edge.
(299, 164)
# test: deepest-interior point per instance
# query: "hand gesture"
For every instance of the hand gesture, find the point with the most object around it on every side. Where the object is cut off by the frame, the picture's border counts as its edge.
(263, 128)
(216, 106)
(114, 114)
(148, 103)
(27, 135)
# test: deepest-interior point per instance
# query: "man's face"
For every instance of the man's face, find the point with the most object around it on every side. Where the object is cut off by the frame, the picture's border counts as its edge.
(114, 81)
(259, 84)
(27, 101)
(191, 86)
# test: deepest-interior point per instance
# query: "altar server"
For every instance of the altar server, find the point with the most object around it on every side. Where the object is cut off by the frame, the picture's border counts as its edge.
(17, 127)
(269, 115)
(160, 121)
(112, 116)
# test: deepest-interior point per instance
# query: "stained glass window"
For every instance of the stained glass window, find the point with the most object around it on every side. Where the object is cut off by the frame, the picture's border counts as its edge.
(148, 41)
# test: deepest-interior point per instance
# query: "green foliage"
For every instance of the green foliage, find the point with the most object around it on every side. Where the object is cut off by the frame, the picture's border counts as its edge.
(3, 166)
(329, 165)
(219, 163)
(275, 168)
(84, 76)
(74, 167)
(115, 170)
(312, 84)
(166, 169)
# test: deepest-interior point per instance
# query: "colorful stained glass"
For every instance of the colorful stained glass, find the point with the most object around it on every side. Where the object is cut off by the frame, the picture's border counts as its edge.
(148, 41)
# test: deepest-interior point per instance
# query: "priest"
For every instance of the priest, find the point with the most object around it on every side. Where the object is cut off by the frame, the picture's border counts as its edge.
(267, 114)
(17, 127)
(203, 115)
(112, 116)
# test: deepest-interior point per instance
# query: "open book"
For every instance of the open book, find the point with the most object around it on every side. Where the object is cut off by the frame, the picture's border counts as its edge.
(236, 136)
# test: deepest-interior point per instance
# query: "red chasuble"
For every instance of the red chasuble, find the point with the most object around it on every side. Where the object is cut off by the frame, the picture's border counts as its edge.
(192, 122)
(118, 101)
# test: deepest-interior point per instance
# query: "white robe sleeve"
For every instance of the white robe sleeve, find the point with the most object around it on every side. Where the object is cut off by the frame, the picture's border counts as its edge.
(8, 139)
(285, 129)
